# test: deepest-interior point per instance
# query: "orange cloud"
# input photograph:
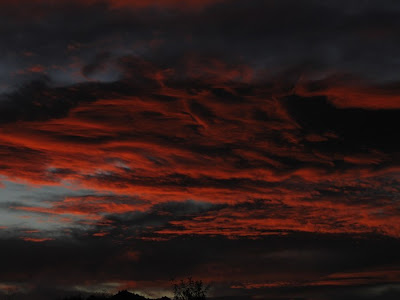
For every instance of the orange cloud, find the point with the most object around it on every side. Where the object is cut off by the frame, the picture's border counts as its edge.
(35, 240)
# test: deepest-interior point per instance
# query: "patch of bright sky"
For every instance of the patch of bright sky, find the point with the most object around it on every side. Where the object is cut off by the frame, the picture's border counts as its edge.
(18, 194)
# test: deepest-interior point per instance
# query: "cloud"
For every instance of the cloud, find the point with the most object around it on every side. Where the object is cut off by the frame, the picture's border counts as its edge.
(147, 137)
(252, 143)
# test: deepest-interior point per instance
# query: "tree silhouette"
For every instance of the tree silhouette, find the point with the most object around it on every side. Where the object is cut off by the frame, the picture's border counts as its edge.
(190, 290)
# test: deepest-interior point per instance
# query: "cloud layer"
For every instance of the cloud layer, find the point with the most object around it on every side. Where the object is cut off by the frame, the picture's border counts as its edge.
(253, 144)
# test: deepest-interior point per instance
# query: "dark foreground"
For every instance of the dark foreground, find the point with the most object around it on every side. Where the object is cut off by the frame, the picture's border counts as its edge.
(122, 295)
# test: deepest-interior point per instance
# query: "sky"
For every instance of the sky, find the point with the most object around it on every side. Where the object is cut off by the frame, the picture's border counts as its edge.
(250, 144)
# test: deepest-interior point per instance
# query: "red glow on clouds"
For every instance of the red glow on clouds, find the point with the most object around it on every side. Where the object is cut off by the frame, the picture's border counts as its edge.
(354, 95)
(36, 240)
(197, 146)
(251, 144)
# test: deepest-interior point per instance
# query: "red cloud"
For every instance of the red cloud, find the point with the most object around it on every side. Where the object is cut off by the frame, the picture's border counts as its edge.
(226, 142)
(36, 240)
(294, 215)
(337, 279)
(353, 94)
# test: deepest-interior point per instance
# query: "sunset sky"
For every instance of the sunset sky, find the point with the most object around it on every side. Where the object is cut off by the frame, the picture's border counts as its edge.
(253, 144)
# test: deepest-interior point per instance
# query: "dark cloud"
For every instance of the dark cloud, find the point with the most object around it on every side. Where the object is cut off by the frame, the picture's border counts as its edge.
(359, 130)
(295, 266)
(321, 37)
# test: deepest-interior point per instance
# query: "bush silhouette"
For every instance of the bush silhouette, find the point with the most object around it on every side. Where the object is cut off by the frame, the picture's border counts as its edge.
(190, 290)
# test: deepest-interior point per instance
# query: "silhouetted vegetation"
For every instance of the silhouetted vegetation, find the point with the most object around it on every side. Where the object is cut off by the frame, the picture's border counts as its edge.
(190, 290)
